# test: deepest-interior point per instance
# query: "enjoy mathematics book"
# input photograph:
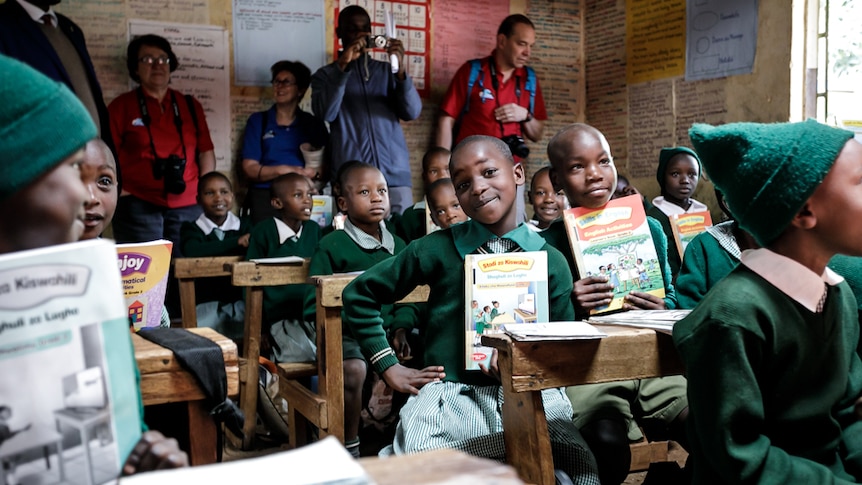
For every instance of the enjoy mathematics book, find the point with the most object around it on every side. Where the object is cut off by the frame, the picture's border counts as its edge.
(68, 362)
(321, 210)
(686, 226)
(502, 288)
(145, 267)
(615, 241)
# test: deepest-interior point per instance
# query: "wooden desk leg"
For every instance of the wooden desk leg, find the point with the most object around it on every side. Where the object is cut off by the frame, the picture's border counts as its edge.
(525, 429)
(203, 437)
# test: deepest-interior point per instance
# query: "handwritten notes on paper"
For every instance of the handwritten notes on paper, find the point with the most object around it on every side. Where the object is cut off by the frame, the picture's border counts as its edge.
(722, 38)
(202, 51)
(267, 31)
(655, 39)
(651, 125)
(463, 31)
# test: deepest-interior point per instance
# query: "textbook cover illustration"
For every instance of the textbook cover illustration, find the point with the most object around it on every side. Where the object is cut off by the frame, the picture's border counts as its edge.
(686, 226)
(321, 210)
(68, 362)
(615, 241)
(502, 288)
(144, 268)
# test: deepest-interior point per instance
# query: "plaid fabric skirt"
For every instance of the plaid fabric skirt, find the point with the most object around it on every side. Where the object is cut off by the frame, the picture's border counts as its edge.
(468, 418)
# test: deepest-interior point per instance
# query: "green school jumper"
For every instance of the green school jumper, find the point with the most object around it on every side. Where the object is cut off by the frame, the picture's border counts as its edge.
(772, 385)
(283, 302)
(411, 226)
(706, 263)
(196, 244)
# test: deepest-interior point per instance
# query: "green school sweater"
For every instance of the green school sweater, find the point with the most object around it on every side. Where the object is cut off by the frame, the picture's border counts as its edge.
(557, 237)
(771, 385)
(283, 302)
(338, 253)
(705, 264)
(196, 244)
(411, 225)
(438, 261)
(673, 258)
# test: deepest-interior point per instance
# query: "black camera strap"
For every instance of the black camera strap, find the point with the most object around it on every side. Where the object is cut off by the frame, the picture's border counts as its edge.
(494, 84)
(145, 117)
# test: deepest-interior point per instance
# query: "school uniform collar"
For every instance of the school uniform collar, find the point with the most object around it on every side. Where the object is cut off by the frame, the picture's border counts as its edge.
(285, 232)
(37, 13)
(369, 242)
(669, 208)
(470, 235)
(791, 278)
(206, 225)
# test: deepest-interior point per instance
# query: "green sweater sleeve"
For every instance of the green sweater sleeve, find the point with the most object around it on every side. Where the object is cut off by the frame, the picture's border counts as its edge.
(691, 282)
(674, 261)
(662, 251)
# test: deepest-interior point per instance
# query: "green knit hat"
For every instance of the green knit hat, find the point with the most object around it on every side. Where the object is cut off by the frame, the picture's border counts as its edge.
(664, 157)
(767, 171)
(41, 124)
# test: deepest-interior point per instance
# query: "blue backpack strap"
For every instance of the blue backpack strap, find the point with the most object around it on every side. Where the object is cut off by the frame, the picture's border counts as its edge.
(475, 71)
(531, 88)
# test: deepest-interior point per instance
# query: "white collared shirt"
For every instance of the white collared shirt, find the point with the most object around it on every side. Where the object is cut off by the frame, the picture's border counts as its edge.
(37, 13)
(207, 226)
(285, 232)
(670, 209)
(790, 277)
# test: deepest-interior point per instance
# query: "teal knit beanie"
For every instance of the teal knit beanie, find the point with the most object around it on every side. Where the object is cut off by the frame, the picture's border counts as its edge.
(664, 157)
(767, 171)
(41, 124)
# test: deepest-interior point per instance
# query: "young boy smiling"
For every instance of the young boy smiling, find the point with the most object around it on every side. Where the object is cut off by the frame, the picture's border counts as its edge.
(608, 414)
(451, 407)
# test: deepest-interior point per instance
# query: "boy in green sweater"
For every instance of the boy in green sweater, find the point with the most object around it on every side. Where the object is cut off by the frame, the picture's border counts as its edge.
(364, 242)
(290, 233)
(435, 166)
(217, 232)
(608, 414)
(451, 407)
(771, 351)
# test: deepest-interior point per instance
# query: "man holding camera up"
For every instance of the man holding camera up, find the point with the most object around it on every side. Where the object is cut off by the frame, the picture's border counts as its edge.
(497, 96)
(363, 100)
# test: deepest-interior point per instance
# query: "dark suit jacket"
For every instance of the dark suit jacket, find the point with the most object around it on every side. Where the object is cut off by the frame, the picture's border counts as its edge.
(22, 39)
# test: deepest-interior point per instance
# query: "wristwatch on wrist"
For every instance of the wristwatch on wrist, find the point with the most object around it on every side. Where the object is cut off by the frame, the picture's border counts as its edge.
(528, 118)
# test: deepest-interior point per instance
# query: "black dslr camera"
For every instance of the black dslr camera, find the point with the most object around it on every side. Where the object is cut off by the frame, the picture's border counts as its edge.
(172, 170)
(517, 146)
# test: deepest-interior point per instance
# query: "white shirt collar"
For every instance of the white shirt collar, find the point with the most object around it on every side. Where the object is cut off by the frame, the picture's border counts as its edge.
(669, 208)
(206, 225)
(285, 232)
(792, 278)
(37, 13)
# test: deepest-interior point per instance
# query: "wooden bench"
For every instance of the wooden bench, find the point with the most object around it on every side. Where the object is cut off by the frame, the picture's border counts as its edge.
(186, 270)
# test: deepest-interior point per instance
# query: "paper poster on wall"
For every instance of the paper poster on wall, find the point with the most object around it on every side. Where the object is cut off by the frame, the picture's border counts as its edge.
(412, 25)
(721, 38)
(655, 40)
(267, 31)
(202, 51)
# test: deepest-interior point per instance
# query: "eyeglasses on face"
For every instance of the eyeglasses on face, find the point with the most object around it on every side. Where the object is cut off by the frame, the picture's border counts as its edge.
(283, 82)
(155, 60)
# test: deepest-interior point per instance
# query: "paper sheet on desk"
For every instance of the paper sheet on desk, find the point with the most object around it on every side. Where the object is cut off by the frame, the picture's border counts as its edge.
(325, 462)
(658, 320)
(281, 260)
(553, 331)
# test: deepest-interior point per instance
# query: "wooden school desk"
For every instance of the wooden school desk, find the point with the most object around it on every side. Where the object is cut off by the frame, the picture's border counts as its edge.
(528, 367)
(438, 467)
(163, 380)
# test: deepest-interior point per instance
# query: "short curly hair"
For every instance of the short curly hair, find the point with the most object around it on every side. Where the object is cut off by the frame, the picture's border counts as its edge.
(151, 40)
(300, 72)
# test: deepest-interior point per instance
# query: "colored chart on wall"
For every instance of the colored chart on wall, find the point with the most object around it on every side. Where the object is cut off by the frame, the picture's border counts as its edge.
(413, 26)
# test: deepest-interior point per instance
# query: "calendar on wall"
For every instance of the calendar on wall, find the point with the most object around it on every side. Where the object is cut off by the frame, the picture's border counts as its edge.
(413, 25)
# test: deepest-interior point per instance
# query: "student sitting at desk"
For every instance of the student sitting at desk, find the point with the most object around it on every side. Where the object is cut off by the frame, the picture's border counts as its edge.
(43, 131)
(451, 407)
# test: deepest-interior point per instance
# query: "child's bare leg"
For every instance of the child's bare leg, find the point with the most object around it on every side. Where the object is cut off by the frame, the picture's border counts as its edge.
(354, 378)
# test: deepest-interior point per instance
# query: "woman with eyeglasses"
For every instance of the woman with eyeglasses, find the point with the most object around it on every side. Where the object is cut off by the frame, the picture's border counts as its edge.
(163, 147)
(271, 146)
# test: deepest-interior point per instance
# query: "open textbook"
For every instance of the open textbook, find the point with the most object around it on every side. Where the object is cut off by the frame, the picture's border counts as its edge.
(68, 365)
(658, 320)
(615, 241)
(325, 462)
(502, 288)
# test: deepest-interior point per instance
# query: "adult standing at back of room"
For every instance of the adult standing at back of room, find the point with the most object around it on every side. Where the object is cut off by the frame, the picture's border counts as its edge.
(163, 146)
(504, 98)
(364, 102)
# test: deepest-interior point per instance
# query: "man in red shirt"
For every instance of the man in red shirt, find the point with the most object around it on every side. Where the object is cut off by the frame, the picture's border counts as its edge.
(499, 100)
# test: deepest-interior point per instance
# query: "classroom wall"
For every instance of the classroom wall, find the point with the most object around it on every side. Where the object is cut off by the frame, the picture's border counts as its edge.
(639, 119)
